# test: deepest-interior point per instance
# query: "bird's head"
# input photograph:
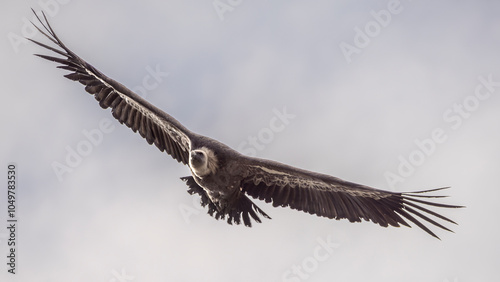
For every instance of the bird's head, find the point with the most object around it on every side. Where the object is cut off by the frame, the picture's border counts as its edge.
(203, 162)
(198, 158)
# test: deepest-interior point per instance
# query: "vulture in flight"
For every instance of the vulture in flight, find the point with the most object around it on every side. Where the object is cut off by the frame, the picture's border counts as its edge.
(224, 178)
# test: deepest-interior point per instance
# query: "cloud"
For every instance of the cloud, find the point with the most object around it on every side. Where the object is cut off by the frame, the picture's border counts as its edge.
(118, 211)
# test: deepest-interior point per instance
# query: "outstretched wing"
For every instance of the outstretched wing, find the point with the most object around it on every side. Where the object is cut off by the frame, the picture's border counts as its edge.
(331, 197)
(126, 106)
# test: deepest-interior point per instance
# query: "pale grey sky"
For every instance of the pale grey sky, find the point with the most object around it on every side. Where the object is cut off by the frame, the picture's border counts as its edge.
(400, 96)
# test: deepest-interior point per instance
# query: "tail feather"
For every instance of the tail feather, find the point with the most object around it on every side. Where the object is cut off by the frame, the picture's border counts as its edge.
(242, 208)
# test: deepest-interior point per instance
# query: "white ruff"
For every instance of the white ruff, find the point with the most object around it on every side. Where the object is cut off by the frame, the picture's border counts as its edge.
(209, 167)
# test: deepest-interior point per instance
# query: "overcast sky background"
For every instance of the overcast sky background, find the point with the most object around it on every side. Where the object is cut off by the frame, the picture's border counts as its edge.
(123, 214)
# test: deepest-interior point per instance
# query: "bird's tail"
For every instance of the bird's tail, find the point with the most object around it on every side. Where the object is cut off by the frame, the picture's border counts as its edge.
(242, 208)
